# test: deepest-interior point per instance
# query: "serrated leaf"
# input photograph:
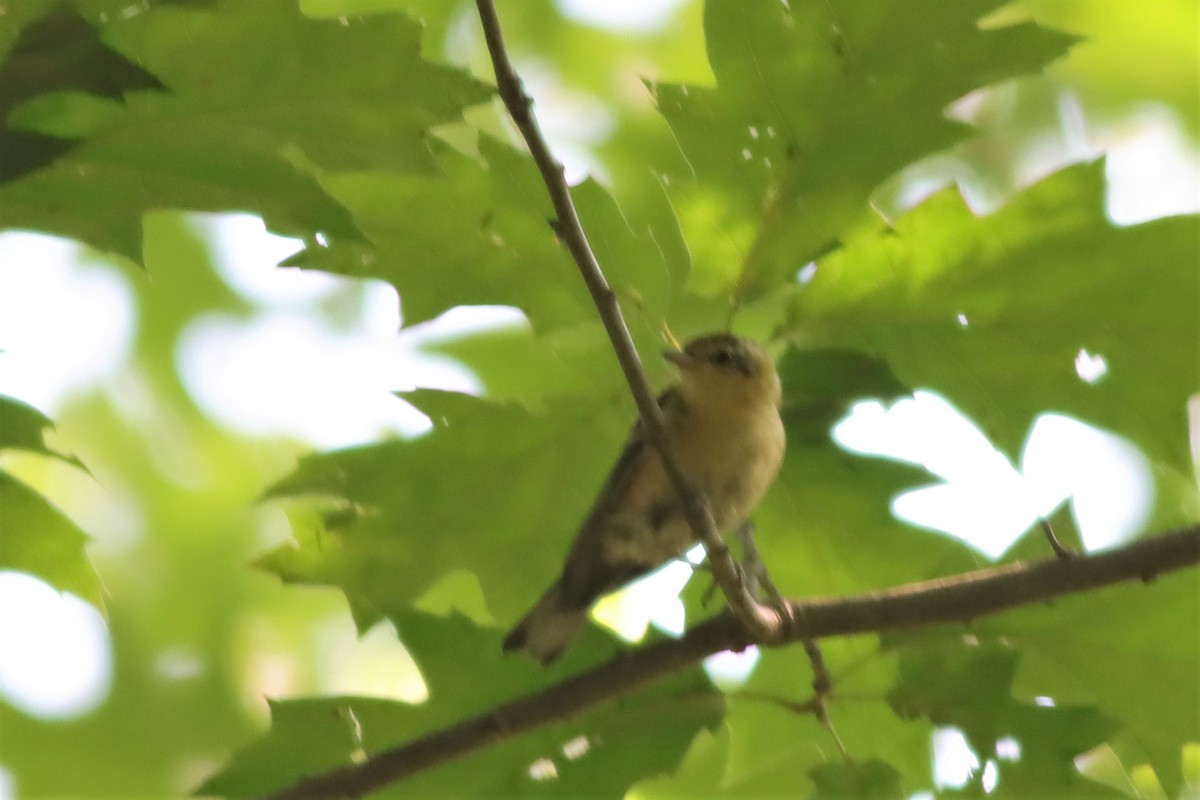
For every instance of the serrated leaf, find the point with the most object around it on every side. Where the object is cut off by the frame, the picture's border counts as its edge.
(647, 262)
(777, 746)
(306, 736)
(54, 52)
(955, 683)
(836, 376)
(37, 538)
(816, 104)
(496, 490)
(23, 427)
(240, 124)
(515, 365)
(826, 527)
(993, 312)
(605, 751)
(1133, 651)
(479, 232)
(476, 232)
(1050, 739)
(959, 681)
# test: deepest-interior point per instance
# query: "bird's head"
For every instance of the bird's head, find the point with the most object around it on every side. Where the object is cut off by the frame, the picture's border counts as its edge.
(722, 367)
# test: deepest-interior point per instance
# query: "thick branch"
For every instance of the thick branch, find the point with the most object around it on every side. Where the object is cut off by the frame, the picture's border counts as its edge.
(761, 621)
(962, 598)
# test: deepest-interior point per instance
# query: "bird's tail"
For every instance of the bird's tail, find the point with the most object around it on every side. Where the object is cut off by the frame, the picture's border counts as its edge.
(548, 628)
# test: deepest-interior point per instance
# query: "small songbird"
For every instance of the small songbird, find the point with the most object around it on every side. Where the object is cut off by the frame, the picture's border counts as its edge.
(723, 425)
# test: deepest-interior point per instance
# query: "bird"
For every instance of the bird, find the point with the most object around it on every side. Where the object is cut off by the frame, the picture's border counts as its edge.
(723, 426)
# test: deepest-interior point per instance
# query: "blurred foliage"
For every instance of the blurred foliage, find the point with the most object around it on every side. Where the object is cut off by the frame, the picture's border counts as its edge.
(38, 539)
(642, 734)
(732, 146)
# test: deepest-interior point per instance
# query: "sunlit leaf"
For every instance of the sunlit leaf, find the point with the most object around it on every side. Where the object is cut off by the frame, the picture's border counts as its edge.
(598, 754)
(474, 232)
(493, 489)
(37, 538)
(23, 427)
(815, 104)
(995, 312)
(236, 121)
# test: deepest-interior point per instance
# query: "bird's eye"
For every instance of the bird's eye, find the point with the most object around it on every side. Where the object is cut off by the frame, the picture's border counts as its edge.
(723, 357)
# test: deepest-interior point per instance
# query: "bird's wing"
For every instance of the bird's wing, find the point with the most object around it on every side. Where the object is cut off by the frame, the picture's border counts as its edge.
(586, 574)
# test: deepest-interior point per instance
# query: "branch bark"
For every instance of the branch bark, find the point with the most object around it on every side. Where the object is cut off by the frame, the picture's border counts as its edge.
(761, 621)
(961, 598)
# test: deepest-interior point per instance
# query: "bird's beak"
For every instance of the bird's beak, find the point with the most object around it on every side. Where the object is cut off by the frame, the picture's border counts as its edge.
(677, 357)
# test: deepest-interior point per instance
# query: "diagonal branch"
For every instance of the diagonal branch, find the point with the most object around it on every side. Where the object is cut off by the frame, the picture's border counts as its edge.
(761, 621)
(960, 598)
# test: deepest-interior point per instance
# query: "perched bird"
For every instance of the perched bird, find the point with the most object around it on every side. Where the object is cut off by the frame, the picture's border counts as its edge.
(723, 424)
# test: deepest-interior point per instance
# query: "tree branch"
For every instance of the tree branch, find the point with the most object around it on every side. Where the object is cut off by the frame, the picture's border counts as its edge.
(961, 598)
(761, 621)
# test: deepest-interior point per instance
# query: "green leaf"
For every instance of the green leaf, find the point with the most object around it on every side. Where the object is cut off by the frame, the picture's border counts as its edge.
(1133, 651)
(955, 683)
(598, 755)
(778, 747)
(1050, 739)
(23, 427)
(826, 527)
(837, 377)
(853, 779)
(50, 50)
(647, 262)
(66, 115)
(516, 366)
(476, 232)
(240, 125)
(37, 538)
(815, 105)
(956, 680)
(307, 736)
(24, 16)
(698, 775)
(994, 312)
(494, 489)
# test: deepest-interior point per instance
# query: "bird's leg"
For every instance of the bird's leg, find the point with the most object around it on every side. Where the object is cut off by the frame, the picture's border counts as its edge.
(756, 577)
(752, 572)
(753, 569)
(713, 585)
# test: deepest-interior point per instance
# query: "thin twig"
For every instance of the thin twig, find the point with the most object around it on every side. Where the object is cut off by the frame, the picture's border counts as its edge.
(822, 685)
(1059, 549)
(763, 623)
(961, 598)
